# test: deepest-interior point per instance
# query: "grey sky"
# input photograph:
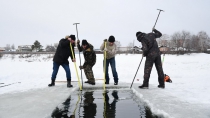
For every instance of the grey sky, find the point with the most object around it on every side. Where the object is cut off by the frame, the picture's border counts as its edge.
(24, 21)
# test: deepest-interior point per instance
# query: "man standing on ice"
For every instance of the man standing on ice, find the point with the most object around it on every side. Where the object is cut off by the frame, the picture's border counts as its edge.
(61, 58)
(152, 53)
(90, 60)
(111, 49)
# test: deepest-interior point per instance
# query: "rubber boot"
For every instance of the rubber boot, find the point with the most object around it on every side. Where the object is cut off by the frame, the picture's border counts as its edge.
(69, 84)
(52, 83)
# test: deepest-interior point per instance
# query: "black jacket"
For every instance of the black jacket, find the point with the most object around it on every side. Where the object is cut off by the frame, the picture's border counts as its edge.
(89, 55)
(149, 43)
(63, 52)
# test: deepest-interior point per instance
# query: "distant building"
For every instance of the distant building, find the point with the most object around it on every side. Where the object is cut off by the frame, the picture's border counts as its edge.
(2, 49)
(164, 48)
(24, 48)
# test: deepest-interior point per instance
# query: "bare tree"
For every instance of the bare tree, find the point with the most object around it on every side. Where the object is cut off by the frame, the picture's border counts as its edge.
(8, 47)
(163, 40)
(203, 40)
(118, 46)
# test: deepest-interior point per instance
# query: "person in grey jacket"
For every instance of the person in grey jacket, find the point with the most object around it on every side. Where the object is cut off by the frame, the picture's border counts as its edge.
(111, 49)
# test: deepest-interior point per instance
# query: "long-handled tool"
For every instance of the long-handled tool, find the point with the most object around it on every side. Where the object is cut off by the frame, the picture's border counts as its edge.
(136, 71)
(79, 52)
(157, 17)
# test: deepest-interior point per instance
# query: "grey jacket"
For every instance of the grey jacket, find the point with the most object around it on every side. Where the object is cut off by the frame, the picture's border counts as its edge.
(111, 50)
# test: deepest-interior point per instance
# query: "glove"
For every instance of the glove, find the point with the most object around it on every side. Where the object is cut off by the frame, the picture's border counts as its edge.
(153, 28)
(81, 67)
(78, 41)
(105, 40)
(105, 49)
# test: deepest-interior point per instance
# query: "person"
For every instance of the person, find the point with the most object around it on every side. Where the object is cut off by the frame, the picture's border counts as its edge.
(61, 58)
(111, 50)
(152, 53)
(90, 60)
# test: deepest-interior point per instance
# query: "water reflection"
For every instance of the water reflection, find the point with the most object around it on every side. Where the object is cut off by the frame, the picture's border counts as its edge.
(106, 104)
(89, 105)
(110, 108)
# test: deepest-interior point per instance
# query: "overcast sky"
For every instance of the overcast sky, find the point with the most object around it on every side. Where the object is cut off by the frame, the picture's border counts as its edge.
(24, 21)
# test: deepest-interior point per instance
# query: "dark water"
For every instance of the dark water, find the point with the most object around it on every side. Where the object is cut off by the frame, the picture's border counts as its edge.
(103, 104)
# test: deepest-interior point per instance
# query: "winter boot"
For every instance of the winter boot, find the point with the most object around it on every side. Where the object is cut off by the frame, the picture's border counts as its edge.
(161, 86)
(92, 83)
(69, 84)
(52, 83)
(144, 86)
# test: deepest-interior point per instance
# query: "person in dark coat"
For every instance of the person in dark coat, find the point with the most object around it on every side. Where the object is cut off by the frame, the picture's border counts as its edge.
(90, 60)
(61, 58)
(152, 53)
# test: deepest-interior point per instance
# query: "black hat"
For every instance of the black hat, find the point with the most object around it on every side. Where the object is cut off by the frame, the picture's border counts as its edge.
(72, 37)
(111, 39)
(138, 33)
(84, 42)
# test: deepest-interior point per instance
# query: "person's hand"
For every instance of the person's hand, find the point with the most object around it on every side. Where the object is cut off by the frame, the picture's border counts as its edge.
(105, 49)
(81, 67)
(78, 41)
(153, 28)
(73, 60)
(105, 40)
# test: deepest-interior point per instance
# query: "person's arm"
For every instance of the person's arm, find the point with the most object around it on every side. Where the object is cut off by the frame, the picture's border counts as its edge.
(79, 48)
(113, 51)
(157, 33)
(144, 48)
(88, 57)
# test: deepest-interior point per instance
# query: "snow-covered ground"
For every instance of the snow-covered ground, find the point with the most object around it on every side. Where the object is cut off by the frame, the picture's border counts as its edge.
(188, 95)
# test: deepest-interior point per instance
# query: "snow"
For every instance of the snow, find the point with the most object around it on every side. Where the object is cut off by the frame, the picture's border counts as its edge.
(187, 97)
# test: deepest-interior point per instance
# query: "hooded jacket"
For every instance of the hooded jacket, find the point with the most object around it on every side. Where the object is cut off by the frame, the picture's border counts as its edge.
(149, 43)
(89, 55)
(63, 52)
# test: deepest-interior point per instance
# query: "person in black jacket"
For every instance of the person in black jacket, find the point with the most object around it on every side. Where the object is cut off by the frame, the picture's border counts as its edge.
(61, 58)
(152, 53)
(90, 60)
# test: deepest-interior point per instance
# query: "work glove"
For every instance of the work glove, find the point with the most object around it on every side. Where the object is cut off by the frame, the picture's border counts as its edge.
(78, 41)
(105, 40)
(105, 49)
(81, 67)
(153, 28)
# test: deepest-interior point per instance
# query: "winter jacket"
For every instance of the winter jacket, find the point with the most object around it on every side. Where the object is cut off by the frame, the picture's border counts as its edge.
(89, 55)
(63, 52)
(149, 43)
(111, 50)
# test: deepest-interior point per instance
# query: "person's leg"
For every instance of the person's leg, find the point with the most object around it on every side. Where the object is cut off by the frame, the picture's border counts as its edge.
(147, 70)
(68, 74)
(159, 69)
(54, 73)
(89, 74)
(114, 71)
(107, 71)
(86, 74)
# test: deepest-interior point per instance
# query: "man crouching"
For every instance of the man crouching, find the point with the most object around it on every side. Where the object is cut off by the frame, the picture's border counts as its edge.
(90, 60)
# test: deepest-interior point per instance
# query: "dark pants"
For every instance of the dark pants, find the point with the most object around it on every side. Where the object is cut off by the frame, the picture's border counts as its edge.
(148, 67)
(56, 68)
(113, 66)
(89, 73)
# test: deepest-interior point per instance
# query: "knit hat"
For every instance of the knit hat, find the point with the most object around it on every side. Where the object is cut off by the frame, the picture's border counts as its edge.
(111, 39)
(72, 37)
(138, 33)
(84, 42)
